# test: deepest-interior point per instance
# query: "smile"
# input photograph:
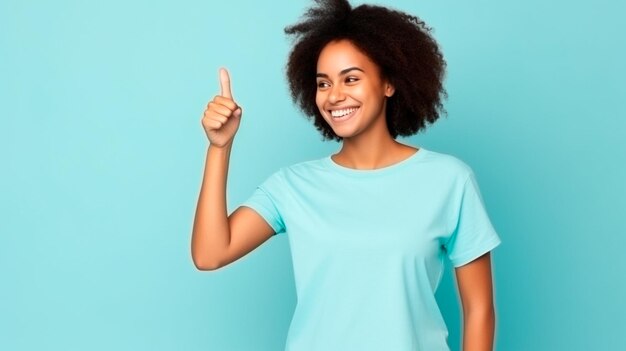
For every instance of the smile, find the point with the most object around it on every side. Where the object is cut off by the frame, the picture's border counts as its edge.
(342, 115)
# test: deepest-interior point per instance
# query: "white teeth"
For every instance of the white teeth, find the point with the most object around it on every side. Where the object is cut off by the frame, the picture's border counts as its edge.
(340, 113)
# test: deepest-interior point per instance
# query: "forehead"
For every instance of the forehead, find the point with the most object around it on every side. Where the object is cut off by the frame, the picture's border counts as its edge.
(340, 54)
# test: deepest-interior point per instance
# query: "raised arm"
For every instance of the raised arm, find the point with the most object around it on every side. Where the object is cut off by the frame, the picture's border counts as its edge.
(475, 287)
(218, 239)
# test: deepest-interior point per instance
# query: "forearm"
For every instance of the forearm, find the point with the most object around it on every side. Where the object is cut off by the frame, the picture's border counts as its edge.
(478, 330)
(211, 232)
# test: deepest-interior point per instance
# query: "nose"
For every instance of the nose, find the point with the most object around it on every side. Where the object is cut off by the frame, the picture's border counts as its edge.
(336, 94)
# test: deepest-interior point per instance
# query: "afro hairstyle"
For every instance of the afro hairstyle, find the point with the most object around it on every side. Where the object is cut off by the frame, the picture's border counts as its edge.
(399, 43)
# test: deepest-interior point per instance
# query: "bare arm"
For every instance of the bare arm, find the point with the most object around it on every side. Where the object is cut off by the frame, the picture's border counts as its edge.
(475, 288)
(218, 239)
(211, 230)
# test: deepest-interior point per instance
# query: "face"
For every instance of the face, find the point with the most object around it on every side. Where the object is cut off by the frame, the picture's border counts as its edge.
(350, 94)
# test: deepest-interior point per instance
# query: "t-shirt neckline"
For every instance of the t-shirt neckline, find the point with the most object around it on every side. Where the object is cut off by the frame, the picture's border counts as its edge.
(378, 171)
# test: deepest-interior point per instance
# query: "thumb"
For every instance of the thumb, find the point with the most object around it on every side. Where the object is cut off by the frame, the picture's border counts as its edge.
(225, 84)
(238, 112)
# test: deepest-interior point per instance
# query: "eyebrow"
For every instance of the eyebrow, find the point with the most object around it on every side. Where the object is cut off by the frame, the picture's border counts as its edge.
(324, 75)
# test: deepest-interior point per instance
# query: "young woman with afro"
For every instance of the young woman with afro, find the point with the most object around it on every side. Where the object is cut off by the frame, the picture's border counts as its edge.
(369, 227)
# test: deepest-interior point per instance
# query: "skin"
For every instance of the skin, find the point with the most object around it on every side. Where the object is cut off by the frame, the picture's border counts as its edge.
(367, 143)
(219, 239)
(346, 77)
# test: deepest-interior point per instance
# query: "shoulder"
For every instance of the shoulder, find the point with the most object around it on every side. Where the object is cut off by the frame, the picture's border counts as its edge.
(304, 168)
(288, 173)
(448, 164)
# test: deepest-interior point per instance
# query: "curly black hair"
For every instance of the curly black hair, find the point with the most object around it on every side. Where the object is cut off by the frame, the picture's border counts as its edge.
(399, 43)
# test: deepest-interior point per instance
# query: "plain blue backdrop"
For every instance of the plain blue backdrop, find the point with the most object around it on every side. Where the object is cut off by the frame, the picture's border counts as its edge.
(102, 154)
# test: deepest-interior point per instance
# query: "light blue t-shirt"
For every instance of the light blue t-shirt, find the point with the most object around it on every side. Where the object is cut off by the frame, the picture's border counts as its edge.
(368, 247)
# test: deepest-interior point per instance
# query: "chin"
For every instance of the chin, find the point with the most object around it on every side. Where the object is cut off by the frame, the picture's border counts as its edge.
(344, 134)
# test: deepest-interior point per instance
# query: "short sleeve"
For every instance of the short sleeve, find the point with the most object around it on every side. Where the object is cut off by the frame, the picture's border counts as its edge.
(474, 234)
(264, 201)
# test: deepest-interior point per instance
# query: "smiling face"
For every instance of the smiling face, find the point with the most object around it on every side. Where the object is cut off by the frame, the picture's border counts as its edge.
(351, 93)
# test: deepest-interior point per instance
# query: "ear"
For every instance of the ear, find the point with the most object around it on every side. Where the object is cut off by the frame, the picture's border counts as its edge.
(389, 89)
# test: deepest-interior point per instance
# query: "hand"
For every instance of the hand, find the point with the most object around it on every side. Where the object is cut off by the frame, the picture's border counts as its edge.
(222, 115)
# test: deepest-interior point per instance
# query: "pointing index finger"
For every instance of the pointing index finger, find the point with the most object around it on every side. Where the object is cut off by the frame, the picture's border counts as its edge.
(225, 84)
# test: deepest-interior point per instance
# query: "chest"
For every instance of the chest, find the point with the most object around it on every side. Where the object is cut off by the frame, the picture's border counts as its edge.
(364, 218)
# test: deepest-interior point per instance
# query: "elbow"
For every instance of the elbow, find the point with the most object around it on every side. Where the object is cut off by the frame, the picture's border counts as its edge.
(205, 266)
(202, 263)
(205, 256)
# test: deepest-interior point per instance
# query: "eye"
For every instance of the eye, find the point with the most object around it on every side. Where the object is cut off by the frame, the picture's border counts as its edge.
(352, 79)
(322, 84)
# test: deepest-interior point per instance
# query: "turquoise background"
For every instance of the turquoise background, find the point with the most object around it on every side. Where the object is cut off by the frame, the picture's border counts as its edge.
(102, 154)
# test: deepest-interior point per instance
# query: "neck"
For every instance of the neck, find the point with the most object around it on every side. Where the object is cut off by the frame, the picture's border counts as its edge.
(371, 152)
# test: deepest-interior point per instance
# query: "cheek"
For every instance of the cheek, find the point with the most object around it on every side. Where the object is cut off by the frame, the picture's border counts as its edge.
(373, 93)
(360, 92)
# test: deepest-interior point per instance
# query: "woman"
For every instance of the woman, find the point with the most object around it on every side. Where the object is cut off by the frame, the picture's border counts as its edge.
(369, 227)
